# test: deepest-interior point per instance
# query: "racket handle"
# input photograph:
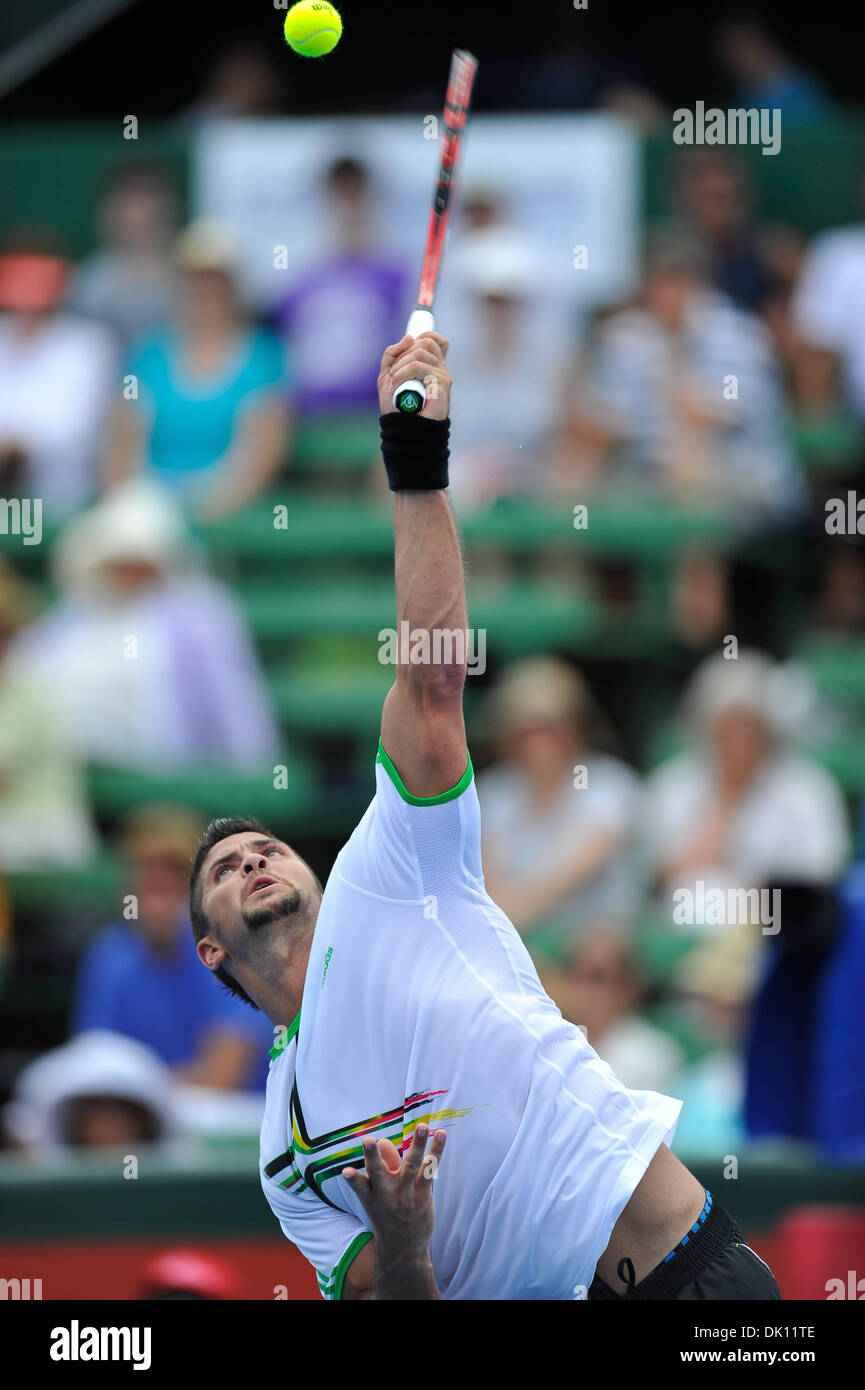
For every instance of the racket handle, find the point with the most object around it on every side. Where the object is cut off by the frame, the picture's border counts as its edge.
(410, 398)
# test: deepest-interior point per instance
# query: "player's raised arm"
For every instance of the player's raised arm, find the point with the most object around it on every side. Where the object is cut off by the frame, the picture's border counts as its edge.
(422, 727)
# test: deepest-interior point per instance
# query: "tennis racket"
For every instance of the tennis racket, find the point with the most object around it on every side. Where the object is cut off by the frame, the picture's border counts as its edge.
(411, 396)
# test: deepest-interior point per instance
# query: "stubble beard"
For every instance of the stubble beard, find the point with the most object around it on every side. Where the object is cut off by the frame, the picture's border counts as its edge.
(288, 905)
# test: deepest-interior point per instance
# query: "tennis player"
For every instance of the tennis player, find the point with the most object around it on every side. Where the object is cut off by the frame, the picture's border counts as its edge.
(406, 1004)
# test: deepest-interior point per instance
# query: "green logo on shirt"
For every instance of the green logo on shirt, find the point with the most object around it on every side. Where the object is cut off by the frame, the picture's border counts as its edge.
(326, 964)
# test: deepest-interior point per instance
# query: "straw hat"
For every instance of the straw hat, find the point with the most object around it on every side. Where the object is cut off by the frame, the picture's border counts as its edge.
(538, 690)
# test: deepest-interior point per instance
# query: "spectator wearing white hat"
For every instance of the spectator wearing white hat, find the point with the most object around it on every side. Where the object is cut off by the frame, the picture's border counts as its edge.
(105, 1091)
(741, 808)
(206, 411)
(100, 1091)
(148, 660)
(558, 814)
(508, 350)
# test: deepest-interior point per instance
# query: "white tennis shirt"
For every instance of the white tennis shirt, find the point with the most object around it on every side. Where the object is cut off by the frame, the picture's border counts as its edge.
(421, 1004)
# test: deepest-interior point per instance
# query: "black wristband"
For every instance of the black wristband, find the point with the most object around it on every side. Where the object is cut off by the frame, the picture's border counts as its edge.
(415, 452)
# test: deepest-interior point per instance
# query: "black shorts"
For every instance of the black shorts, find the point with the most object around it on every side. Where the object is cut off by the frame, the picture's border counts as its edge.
(712, 1261)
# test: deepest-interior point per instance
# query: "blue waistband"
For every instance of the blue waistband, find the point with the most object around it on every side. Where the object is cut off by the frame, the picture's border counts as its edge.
(693, 1231)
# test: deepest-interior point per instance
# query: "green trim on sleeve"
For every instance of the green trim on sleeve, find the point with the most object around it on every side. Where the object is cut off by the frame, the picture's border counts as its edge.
(337, 1278)
(406, 795)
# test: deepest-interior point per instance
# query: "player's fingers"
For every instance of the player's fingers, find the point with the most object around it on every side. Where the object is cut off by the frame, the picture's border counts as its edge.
(359, 1184)
(437, 1146)
(390, 1154)
(417, 354)
(421, 350)
(372, 1159)
(414, 368)
(429, 1165)
(392, 352)
(414, 1157)
(444, 343)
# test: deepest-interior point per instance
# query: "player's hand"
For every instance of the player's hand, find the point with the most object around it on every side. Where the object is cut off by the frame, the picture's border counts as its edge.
(397, 1194)
(421, 359)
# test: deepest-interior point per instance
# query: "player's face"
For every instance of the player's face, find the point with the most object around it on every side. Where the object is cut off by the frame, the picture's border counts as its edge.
(250, 882)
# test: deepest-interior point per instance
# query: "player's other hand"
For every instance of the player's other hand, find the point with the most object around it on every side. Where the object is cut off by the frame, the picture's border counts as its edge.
(397, 1194)
(421, 359)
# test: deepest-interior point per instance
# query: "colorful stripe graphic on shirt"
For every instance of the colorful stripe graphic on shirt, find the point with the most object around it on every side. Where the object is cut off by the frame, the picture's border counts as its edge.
(398, 1124)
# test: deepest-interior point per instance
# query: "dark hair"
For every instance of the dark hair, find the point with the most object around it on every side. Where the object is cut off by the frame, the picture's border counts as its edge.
(344, 170)
(140, 175)
(218, 830)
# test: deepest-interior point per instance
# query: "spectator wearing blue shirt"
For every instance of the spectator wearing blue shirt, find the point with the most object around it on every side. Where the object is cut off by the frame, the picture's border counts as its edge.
(207, 410)
(766, 77)
(141, 976)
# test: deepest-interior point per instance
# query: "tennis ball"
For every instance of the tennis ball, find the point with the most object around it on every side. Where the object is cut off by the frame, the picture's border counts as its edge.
(312, 28)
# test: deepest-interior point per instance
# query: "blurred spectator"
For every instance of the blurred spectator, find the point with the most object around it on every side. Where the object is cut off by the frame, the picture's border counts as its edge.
(43, 806)
(840, 603)
(765, 75)
(100, 1090)
(839, 1111)
(480, 207)
(210, 421)
(558, 813)
(149, 661)
(57, 374)
(700, 600)
(783, 249)
(142, 977)
(343, 309)
(180, 1275)
(128, 283)
(681, 398)
(713, 198)
(243, 81)
(637, 105)
(561, 65)
(829, 313)
(805, 1038)
(740, 808)
(511, 379)
(5, 931)
(602, 993)
(713, 985)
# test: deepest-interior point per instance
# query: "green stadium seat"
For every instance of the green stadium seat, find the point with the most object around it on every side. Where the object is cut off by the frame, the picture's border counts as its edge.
(844, 756)
(836, 665)
(320, 705)
(289, 527)
(344, 529)
(348, 445)
(524, 617)
(212, 791)
(829, 445)
(82, 888)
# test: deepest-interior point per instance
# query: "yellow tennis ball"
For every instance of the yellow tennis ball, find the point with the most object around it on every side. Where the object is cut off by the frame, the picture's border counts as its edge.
(312, 28)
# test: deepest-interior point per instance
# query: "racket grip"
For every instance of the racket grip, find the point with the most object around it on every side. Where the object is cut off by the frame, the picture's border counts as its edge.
(410, 398)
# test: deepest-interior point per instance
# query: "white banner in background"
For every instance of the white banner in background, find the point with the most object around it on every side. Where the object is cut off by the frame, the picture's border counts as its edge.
(567, 181)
